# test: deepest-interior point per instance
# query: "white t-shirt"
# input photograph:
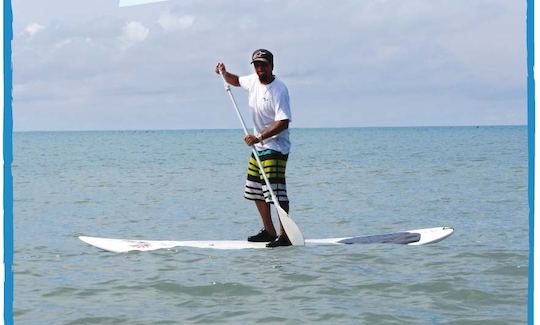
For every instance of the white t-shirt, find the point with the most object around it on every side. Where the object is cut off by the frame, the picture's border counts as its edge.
(269, 103)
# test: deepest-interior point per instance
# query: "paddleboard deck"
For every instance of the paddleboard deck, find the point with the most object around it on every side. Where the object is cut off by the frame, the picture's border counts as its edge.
(409, 237)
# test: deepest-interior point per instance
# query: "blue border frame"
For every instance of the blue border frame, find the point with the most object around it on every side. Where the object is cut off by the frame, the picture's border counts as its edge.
(531, 128)
(8, 159)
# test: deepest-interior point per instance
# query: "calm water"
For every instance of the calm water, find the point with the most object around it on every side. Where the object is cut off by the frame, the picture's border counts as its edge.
(186, 185)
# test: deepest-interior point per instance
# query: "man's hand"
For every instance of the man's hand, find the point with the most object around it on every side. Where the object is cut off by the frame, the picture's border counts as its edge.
(250, 139)
(220, 68)
(230, 78)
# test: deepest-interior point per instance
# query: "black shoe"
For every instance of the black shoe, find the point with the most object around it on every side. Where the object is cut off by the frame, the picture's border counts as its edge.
(280, 241)
(262, 236)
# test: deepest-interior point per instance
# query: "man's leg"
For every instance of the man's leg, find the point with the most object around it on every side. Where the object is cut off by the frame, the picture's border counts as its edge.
(283, 239)
(284, 206)
(266, 216)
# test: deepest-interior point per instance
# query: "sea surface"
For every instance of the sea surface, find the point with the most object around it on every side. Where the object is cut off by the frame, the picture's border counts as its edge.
(188, 185)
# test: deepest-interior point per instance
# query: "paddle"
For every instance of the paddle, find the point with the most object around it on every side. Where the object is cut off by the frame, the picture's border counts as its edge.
(292, 230)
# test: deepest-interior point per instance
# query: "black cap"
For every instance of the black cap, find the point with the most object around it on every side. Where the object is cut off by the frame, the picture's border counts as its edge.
(262, 56)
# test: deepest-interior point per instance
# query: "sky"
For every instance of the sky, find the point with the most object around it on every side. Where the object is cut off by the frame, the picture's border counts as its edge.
(92, 65)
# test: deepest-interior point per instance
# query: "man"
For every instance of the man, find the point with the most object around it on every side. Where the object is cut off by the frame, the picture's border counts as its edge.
(269, 100)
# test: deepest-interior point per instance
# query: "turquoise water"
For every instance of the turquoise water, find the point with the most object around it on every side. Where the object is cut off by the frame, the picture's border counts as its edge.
(188, 185)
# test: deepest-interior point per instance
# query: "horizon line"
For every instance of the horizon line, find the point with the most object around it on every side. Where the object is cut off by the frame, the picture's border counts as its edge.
(297, 128)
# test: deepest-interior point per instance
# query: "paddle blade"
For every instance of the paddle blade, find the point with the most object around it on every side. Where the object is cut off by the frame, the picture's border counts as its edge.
(293, 232)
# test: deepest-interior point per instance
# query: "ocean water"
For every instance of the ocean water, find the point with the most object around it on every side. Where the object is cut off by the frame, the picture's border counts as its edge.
(188, 185)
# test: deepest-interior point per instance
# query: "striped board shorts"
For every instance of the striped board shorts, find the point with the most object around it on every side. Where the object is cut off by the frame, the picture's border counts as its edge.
(274, 163)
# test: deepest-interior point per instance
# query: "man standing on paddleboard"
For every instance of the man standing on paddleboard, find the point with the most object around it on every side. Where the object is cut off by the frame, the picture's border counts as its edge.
(269, 100)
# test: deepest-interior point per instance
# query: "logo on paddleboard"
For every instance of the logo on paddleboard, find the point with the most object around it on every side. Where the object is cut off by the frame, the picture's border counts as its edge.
(139, 244)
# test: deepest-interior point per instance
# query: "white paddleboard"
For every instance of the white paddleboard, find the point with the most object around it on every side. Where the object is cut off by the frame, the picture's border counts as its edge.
(409, 237)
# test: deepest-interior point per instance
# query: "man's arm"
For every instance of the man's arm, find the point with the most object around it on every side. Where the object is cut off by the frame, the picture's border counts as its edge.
(270, 131)
(231, 79)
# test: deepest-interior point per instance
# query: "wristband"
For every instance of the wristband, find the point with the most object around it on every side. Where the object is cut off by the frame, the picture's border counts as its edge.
(259, 137)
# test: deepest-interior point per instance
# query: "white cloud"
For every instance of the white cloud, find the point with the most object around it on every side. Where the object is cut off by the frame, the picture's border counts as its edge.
(63, 43)
(169, 21)
(33, 29)
(134, 31)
